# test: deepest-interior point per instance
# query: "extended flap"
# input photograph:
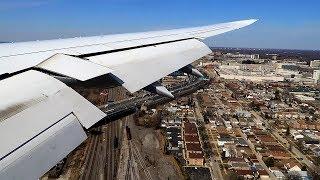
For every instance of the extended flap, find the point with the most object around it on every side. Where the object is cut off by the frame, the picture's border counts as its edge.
(74, 67)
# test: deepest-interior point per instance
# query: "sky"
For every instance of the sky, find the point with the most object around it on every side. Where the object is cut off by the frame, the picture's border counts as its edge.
(285, 24)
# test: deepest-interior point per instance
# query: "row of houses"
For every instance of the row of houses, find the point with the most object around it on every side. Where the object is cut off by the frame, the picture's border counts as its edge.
(182, 134)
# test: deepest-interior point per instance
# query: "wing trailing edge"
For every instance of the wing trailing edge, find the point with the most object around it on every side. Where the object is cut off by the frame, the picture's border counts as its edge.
(73, 67)
(140, 67)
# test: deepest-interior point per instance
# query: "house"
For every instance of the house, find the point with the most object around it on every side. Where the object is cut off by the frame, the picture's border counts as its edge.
(196, 159)
(224, 140)
(241, 142)
(248, 174)
(291, 165)
(194, 154)
(295, 134)
(245, 114)
(277, 152)
(303, 175)
(295, 168)
(279, 175)
(174, 139)
(263, 174)
(193, 150)
(191, 139)
(190, 128)
(316, 151)
(267, 139)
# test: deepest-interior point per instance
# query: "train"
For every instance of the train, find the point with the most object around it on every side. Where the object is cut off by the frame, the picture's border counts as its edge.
(129, 137)
(115, 142)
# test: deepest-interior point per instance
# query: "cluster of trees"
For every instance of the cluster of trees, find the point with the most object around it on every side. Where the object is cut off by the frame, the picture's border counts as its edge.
(317, 161)
(233, 176)
(270, 161)
(206, 116)
(200, 98)
(206, 142)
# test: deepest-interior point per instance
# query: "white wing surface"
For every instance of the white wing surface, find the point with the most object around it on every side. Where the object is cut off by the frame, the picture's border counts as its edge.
(42, 120)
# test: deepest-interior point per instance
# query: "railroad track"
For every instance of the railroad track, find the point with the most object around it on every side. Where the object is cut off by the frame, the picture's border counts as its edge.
(102, 158)
(114, 129)
(90, 158)
(129, 166)
(141, 161)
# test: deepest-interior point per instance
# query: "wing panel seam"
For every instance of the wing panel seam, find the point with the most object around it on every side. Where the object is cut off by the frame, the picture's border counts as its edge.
(21, 145)
(129, 48)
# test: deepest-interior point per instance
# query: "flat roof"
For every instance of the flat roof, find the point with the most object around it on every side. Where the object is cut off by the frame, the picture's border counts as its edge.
(193, 147)
(196, 173)
(191, 138)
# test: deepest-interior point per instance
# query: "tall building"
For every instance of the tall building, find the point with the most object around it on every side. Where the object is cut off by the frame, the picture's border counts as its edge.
(316, 75)
(315, 64)
(255, 56)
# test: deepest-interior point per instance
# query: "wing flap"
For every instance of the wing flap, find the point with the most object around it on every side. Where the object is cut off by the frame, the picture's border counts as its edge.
(36, 120)
(140, 67)
(74, 67)
(42, 152)
(40, 88)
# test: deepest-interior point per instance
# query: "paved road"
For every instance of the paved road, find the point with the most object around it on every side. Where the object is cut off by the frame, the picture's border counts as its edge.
(198, 110)
(259, 157)
(213, 165)
(112, 109)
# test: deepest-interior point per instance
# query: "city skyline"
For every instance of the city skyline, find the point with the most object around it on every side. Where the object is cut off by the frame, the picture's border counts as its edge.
(284, 25)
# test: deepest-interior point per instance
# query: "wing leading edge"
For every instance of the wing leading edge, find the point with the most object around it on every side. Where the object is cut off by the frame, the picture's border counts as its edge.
(18, 56)
(46, 120)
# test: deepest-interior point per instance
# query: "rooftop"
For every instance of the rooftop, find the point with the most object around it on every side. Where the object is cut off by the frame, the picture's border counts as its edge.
(196, 173)
(190, 128)
(191, 138)
(193, 147)
(196, 155)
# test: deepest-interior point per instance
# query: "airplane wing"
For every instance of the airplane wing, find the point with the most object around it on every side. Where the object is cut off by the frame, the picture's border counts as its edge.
(42, 119)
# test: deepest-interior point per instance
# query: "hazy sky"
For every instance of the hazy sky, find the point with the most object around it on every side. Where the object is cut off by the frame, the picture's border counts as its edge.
(291, 24)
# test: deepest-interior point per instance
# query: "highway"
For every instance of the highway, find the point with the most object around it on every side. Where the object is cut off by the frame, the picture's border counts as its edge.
(129, 106)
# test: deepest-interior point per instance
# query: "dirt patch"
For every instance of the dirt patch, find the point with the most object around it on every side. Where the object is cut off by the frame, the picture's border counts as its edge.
(150, 143)
(167, 169)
